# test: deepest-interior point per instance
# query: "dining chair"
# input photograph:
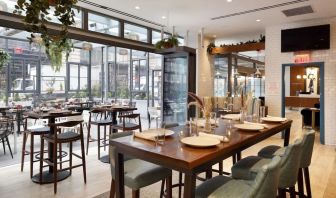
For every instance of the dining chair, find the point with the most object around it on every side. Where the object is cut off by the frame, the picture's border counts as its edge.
(32, 131)
(139, 173)
(264, 185)
(127, 124)
(4, 133)
(248, 167)
(306, 155)
(98, 118)
(64, 137)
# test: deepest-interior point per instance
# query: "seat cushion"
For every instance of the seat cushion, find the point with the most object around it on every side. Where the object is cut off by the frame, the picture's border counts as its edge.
(127, 125)
(38, 129)
(222, 186)
(65, 136)
(248, 167)
(271, 151)
(139, 173)
(102, 122)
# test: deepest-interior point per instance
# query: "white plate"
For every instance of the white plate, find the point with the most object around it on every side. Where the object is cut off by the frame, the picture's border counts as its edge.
(273, 119)
(249, 127)
(200, 141)
(155, 131)
(231, 116)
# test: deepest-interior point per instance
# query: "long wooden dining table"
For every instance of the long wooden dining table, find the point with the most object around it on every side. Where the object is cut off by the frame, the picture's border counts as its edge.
(189, 160)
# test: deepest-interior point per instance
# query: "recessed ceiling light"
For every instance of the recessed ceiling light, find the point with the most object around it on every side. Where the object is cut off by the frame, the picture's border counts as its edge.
(163, 17)
(137, 7)
(214, 35)
(229, 1)
(258, 20)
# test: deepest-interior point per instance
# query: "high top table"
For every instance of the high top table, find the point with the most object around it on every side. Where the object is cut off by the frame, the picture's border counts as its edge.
(189, 160)
(47, 176)
(113, 110)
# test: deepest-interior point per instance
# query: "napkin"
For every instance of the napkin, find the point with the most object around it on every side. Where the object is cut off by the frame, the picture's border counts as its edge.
(259, 124)
(219, 137)
(146, 136)
(284, 119)
(231, 116)
(201, 123)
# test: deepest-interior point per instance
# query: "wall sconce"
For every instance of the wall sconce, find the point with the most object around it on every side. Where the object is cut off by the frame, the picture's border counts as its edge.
(304, 76)
(298, 77)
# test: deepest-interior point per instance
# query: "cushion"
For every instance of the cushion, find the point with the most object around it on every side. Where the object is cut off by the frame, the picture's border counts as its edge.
(248, 167)
(271, 151)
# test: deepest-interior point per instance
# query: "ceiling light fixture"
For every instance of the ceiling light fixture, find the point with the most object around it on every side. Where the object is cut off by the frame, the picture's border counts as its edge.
(258, 20)
(137, 7)
(229, 1)
(163, 17)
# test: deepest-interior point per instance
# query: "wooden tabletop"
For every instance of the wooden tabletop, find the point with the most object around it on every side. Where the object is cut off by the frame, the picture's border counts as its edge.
(47, 115)
(115, 108)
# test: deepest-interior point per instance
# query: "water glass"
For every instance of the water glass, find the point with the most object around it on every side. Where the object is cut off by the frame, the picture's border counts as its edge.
(160, 136)
(213, 117)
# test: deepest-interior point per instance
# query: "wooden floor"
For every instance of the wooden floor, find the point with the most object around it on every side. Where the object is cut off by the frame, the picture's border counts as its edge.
(14, 183)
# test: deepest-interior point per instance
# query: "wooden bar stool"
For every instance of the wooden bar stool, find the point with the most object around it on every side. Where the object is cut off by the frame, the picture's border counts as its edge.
(64, 137)
(36, 130)
(98, 118)
(128, 126)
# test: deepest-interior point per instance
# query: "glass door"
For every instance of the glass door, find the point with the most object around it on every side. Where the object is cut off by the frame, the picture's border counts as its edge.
(155, 88)
(78, 80)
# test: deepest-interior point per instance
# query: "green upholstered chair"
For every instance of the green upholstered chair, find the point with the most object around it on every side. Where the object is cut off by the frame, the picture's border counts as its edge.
(264, 185)
(306, 155)
(247, 168)
(138, 173)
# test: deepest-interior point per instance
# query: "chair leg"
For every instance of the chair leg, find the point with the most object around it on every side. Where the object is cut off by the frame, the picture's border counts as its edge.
(3, 145)
(104, 138)
(234, 159)
(55, 167)
(281, 193)
(300, 183)
(88, 139)
(180, 184)
(70, 158)
(112, 189)
(83, 158)
(136, 193)
(292, 192)
(9, 147)
(220, 168)
(98, 142)
(23, 154)
(31, 155)
(162, 188)
(307, 181)
(169, 187)
(60, 154)
(41, 158)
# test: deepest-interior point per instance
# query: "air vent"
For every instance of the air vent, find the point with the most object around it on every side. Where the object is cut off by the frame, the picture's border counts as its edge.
(259, 9)
(298, 11)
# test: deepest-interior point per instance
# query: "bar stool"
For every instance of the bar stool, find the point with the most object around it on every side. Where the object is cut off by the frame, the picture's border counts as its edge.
(4, 133)
(306, 155)
(36, 130)
(128, 126)
(64, 137)
(98, 118)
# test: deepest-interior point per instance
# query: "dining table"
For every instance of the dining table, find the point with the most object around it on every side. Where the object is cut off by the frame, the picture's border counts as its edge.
(47, 176)
(113, 111)
(191, 161)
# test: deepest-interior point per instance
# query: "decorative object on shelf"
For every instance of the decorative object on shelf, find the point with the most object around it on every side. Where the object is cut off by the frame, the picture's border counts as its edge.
(37, 16)
(166, 43)
(260, 40)
(210, 47)
(4, 58)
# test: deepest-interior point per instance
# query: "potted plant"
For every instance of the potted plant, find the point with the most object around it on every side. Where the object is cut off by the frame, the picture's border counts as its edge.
(4, 58)
(36, 18)
(167, 43)
(210, 47)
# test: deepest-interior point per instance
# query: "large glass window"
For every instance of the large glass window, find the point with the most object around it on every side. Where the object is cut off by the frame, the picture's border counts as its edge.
(96, 72)
(135, 32)
(221, 76)
(103, 24)
(122, 73)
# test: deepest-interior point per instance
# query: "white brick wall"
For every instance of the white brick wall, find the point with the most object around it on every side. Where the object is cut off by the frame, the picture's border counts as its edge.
(275, 59)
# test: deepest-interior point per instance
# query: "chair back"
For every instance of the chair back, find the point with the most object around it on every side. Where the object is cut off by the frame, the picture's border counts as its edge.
(267, 179)
(154, 112)
(307, 149)
(133, 116)
(4, 127)
(67, 124)
(306, 116)
(290, 163)
(112, 149)
(169, 125)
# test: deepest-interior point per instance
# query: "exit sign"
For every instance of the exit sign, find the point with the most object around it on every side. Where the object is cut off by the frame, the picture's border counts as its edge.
(302, 58)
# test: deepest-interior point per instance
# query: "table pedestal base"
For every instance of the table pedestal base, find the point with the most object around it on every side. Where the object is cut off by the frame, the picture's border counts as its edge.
(48, 177)
(105, 159)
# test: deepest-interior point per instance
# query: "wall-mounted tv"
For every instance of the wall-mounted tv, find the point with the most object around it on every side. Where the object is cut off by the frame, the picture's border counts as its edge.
(306, 38)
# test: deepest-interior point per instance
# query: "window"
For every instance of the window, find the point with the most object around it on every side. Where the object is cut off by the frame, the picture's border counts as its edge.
(122, 73)
(156, 36)
(103, 24)
(78, 77)
(134, 32)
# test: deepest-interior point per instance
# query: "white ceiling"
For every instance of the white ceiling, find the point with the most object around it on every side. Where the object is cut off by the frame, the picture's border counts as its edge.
(194, 14)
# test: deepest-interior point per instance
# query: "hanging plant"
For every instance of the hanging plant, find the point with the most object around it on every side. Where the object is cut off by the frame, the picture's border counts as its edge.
(4, 58)
(37, 14)
(167, 43)
(210, 47)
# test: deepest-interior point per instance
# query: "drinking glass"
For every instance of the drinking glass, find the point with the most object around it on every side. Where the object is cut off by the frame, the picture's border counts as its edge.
(161, 135)
(213, 118)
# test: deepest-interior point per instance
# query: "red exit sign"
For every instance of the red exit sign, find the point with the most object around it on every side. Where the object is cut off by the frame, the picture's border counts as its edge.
(302, 58)
(18, 50)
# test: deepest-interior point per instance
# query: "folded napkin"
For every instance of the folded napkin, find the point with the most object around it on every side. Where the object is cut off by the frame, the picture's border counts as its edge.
(284, 119)
(219, 137)
(146, 136)
(201, 123)
(231, 116)
(259, 124)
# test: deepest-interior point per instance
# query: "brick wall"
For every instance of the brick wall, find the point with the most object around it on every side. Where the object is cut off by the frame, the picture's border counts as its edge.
(275, 59)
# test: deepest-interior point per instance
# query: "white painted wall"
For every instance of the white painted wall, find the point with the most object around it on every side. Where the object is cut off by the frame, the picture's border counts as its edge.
(274, 60)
